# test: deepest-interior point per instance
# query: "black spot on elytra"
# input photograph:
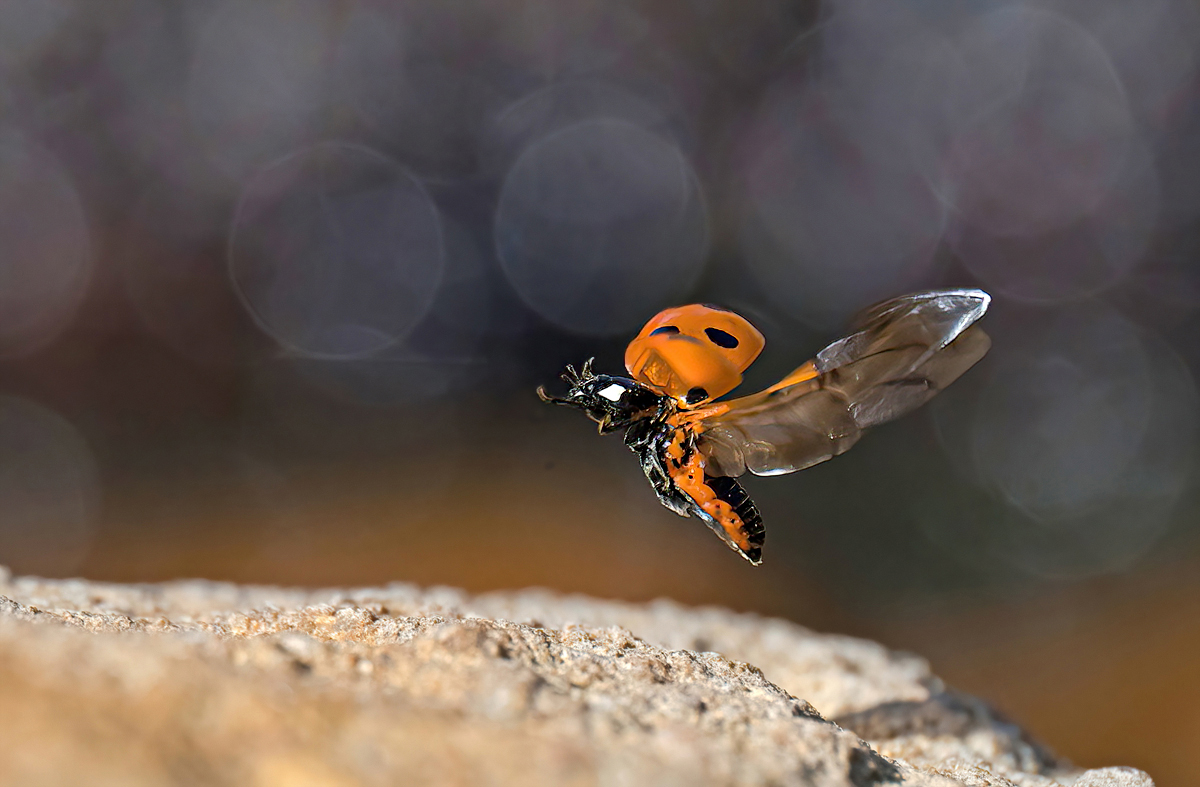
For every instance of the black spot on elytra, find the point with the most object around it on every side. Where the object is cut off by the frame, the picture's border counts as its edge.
(721, 338)
(697, 394)
(665, 329)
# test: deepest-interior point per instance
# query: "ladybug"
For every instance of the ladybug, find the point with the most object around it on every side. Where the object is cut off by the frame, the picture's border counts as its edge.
(692, 447)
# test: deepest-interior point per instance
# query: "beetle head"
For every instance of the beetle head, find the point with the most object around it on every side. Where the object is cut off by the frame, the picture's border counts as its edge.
(612, 402)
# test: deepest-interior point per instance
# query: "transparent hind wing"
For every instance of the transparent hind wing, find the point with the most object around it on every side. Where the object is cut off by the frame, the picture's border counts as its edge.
(902, 353)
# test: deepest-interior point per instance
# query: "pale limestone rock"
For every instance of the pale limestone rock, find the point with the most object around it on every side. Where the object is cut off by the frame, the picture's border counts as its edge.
(1114, 777)
(209, 683)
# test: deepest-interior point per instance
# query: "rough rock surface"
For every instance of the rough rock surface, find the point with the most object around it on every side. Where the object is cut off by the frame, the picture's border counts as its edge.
(209, 683)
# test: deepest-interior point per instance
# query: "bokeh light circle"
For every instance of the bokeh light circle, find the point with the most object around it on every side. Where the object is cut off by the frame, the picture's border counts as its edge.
(1040, 125)
(336, 251)
(175, 274)
(442, 354)
(1058, 427)
(45, 247)
(599, 225)
(1154, 49)
(1080, 442)
(27, 26)
(256, 85)
(50, 486)
(1078, 259)
(883, 74)
(563, 104)
(823, 233)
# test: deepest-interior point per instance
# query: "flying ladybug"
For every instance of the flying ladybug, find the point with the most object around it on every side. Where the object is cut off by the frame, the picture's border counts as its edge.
(692, 447)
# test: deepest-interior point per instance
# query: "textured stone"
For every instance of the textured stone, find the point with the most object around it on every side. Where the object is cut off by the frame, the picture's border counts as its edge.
(1114, 777)
(209, 683)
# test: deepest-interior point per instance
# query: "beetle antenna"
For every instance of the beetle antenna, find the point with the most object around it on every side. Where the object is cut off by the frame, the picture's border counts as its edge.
(587, 369)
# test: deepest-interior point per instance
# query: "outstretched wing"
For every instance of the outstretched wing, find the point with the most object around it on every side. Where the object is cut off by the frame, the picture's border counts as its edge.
(901, 354)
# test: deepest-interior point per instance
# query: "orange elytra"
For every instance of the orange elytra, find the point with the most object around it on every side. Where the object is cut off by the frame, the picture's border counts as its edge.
(693, 353)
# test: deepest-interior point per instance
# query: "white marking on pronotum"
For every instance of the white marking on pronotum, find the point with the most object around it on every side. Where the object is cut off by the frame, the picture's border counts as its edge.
(613, 392)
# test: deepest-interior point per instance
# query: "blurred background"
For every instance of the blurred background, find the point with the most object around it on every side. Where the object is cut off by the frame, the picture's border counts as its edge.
(278, 279)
